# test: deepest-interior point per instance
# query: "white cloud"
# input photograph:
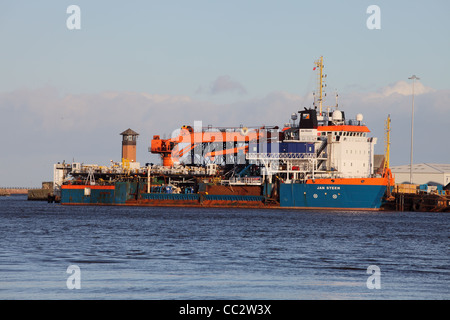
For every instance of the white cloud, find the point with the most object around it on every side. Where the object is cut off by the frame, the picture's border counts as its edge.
(223, 84)
(430, 120)
(402, 88)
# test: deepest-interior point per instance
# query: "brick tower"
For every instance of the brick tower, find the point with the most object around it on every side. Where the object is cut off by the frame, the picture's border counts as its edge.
(129, 145)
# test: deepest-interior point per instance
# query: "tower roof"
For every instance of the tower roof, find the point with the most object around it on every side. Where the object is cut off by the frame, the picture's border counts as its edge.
(129, 132)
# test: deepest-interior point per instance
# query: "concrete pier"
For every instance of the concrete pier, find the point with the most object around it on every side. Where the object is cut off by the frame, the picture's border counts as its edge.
(4, 192)
(43, 194)
(16, 190)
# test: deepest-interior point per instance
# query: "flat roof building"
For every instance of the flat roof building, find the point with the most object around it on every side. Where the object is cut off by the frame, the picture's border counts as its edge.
(423, 173)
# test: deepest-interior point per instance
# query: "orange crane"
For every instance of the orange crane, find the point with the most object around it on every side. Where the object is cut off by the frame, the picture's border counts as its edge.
(170, 149)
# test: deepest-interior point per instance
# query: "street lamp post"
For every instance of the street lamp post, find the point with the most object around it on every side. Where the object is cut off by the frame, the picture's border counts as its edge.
(413, 78)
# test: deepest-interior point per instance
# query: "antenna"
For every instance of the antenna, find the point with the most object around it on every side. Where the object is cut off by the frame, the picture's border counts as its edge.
(336, 99)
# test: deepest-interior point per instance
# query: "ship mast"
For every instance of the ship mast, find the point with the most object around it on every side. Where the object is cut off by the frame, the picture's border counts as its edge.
(319, 64)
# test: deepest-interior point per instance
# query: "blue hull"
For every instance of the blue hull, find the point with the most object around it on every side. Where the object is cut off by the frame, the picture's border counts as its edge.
(296, 195)
(132, 193)
(108, 195)
(332, 196)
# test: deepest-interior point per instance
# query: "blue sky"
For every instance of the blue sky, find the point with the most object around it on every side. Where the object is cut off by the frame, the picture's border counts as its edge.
(155, 65)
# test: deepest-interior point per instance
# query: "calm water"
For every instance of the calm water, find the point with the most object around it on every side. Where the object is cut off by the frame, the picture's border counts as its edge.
(188, 253)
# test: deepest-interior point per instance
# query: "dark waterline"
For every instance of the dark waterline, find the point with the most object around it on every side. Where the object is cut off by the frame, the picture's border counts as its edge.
(195, 253)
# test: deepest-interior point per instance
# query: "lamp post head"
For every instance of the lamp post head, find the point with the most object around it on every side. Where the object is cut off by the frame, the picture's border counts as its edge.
(414, 77)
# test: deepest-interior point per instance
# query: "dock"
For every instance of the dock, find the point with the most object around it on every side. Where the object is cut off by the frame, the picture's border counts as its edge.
(420, 198)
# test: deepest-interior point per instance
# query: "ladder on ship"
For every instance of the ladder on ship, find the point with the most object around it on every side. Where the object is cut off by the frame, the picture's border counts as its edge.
(319, 152)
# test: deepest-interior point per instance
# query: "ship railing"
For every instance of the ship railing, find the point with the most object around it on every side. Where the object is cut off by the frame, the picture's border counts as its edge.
(257, 156)
(354, 122)
(245, 181)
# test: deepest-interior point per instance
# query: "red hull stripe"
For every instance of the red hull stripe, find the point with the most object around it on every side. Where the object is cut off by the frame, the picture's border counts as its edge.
(344, 128)
(77, 187)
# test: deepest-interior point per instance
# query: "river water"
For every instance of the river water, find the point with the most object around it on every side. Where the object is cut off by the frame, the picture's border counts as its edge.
(49, 251)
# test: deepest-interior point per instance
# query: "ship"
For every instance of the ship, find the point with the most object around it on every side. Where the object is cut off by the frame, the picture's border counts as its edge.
(320, 159)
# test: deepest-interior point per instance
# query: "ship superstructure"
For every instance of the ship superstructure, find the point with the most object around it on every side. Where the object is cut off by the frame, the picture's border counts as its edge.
(322, 144)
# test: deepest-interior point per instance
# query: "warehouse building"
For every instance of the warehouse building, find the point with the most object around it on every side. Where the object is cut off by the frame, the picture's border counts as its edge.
(423, 173)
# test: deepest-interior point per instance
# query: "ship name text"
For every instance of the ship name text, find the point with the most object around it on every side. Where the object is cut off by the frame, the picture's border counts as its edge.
(328, 188)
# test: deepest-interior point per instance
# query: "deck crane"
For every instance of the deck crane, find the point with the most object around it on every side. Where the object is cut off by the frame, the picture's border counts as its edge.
(215, 143)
